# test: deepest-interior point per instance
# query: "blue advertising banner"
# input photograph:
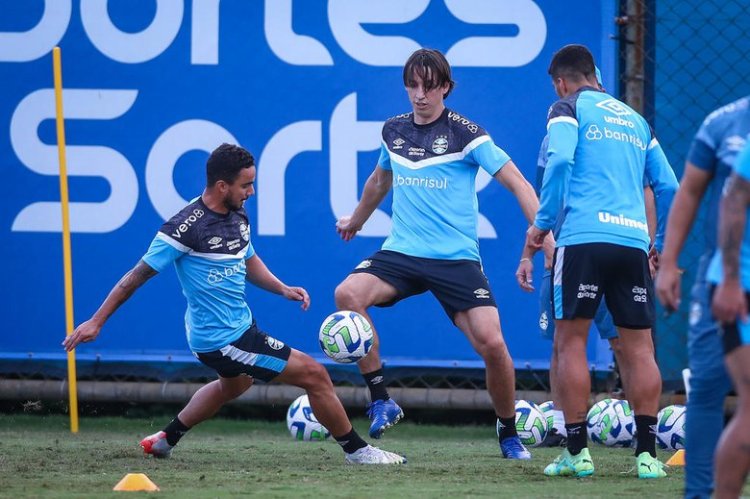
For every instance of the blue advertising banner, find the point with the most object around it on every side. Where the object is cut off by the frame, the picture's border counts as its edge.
(151, 86)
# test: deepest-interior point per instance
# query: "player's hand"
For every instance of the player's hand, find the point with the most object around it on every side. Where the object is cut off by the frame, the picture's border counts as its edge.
(535, 238)
(729, 303)
(524, 273)
(653, 261)
(549, 251)
(296, 293)
(86, 332)
(668, 285)
(346, 229)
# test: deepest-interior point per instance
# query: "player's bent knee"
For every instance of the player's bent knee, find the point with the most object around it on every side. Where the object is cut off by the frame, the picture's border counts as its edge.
(347, 298)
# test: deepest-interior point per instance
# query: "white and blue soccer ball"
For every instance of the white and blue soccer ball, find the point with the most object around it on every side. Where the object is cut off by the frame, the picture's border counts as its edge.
(548, 409)
(302, 423)
(345, 336)
(531, 423)
(610, 422)
(670, 427)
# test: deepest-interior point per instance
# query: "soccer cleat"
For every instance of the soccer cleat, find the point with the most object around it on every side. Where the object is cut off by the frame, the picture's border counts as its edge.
(649, 467)
(372, 455)
(383, 414)
(157, 445)
(554, 439)
(512, 448)
(567, 464)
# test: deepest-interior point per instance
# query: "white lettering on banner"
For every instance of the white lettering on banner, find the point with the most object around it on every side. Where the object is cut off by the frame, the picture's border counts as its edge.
(39, 40)
(498, 51)
(345, 18)
(287, 143)
(132, 47)
(285, 43)
(85, 161)
(173, 143)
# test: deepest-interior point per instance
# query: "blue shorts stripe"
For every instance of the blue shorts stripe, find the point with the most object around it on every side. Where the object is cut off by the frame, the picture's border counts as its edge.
(270, 363)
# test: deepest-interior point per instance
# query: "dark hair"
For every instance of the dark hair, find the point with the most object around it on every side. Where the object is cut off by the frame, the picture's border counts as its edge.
(225, 163)
(574, 62)
(431, 67)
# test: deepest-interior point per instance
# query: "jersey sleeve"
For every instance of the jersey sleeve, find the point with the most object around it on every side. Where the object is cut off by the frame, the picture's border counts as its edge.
(562, 130)
(163, 251)
(742, 163)
(663, 182)
(702, 152)
(489, 156)
(384, 161)
(541, 163)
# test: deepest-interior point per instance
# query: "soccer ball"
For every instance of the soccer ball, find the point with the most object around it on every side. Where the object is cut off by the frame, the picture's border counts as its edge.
(547, 408)
(610, 422)
(670, 427)
(345, 336)
(302, 423)
(531, 423)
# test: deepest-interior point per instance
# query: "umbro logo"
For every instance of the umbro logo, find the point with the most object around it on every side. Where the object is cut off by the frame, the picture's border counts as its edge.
(215, 242)
(398, 143)
(481, 293)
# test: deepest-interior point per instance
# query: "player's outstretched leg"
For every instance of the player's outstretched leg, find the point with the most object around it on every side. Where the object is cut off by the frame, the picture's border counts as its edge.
(359, 292)
(303, 371)
(202, 405)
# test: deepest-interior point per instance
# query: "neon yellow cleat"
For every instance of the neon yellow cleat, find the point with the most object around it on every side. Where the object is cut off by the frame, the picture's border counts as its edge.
(649, 467)
(567, 464)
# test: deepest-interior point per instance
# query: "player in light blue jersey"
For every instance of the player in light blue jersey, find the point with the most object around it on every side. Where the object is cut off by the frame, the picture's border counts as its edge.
(208, 242)
(430, 157)
(709, 162)
(600, 151)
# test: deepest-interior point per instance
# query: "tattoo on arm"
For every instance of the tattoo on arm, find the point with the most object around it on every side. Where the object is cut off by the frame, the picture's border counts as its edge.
(734, 205)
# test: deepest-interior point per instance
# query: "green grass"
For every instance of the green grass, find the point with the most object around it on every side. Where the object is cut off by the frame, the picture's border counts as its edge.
(39, 457)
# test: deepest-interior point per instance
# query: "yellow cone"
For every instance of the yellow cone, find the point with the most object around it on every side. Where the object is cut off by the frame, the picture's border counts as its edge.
(135, 482)
(677, 459)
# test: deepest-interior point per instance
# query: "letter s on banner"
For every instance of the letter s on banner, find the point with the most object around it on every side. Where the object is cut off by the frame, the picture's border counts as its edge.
(87, 161)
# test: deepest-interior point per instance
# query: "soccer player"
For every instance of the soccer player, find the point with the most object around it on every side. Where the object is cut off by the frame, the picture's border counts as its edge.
(208, 242)
(600, 151)
(730, 269)
(709, 162)
(430, 156)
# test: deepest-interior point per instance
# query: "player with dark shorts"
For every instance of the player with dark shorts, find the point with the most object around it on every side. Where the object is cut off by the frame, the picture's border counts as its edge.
(208, 242)
(730, 271)
(430, 157)
(600, 153)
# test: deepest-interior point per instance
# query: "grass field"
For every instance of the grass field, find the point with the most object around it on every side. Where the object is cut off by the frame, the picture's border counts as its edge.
(228, 458)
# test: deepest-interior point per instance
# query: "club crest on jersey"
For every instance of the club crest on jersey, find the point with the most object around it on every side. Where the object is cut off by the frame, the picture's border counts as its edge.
(440, 144)
(274, 343)
(245, 231)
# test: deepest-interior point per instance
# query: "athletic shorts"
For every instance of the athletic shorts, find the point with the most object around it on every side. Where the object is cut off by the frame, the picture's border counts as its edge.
(457, 284)
(254, 353)
(736, 334)
(602, 319)
(584, 273)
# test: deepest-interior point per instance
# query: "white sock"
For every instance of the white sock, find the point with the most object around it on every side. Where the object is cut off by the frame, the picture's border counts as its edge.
(559, 423)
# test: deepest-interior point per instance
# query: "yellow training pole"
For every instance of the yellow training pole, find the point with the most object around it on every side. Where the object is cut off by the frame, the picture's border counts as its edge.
(67, 263)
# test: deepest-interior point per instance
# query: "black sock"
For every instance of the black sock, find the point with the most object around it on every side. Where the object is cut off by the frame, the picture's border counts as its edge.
(576, 437)
(645, 428)
(175, 430)
(506, 428)
(351, 442)
(376, 384)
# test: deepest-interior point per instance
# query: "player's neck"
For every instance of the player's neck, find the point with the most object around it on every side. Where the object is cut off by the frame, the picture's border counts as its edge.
(213, 202)
(426, 120)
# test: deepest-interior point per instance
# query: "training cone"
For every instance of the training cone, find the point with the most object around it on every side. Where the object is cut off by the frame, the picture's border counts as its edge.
(677, 459)
(133, 482)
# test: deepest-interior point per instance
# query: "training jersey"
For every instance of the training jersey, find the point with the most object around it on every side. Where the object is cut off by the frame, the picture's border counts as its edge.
(208, 250)
(599, 156)
(715, 271)
(714, 149)
(434, 168)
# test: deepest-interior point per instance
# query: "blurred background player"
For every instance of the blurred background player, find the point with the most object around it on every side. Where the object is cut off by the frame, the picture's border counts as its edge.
(599, 153)
(431, 157)
(730, 269)
(709, 162)
(208, 242)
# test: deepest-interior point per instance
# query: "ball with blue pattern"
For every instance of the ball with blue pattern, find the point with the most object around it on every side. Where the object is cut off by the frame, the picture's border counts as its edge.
(345, 336)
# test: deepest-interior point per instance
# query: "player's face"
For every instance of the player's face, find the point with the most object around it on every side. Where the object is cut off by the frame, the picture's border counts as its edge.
(427, 104)
(242, 188)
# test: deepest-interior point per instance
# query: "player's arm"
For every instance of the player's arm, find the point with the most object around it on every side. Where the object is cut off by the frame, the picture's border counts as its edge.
(682, 215)
(376, 188)
(261, 276)
(729, 303)
(124, 289)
